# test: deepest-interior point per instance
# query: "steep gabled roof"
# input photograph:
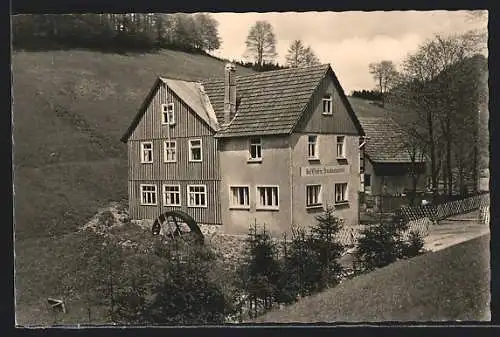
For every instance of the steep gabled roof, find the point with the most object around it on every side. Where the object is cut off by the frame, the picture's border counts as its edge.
(192, 93)
(272, 102)
(386, 139)
(268, 103)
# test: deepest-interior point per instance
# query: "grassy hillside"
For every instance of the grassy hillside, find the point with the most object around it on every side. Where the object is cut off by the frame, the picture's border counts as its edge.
(452, 284)
(70, 109)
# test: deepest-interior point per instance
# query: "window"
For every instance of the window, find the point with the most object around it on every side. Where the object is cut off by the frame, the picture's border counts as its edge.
(167, 113)
(169, 151)
(340, 147)
(239, 197)
(146, 152)
(327, 105)
(255, 149)
(313, 195)
(148, 194)
(340, 193)
(171, 195)
(197, 196)
(268, 197)
(368, 181)
(312, 148)
(195, 150)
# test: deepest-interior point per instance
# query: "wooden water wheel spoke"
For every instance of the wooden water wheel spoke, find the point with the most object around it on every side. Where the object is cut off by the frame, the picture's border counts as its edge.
(177, 224)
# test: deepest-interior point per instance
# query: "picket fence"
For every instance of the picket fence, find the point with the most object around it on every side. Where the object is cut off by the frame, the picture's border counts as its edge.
(445, 210)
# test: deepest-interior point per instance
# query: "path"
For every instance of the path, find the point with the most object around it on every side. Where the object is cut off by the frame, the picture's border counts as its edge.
(455, 229)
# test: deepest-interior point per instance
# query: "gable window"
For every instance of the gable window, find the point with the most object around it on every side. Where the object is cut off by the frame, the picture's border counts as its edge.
(313, 195)
(239, 197)
(340, 193)
(148, 194)
(255, 149)
(268, 197)
(170, 151)
(171, 195)
(167, 113)
(146, 152)
(340, 147)
(327, 105)
(197, 195)
(312, 147)
(195, 153)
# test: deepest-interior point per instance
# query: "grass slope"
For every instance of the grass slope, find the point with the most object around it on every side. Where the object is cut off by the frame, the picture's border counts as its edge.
(70, 109)
(452, 284)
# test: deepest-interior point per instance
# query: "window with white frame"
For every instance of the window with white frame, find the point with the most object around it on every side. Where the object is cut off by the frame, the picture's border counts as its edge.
(340, 147)
(255, 148)
(195, 152)
(312, 147)
(239, 197)
(146, 152)
(169, 151)
(148, 194)
(313, 195)
(340, 193)
(327, 105)
(268, 197)
(171, 195)
(197, 195)
(167, 113)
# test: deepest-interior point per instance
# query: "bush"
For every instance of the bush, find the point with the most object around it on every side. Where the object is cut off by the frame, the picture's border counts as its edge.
(149, 282)
(259, 273)
(384, 243)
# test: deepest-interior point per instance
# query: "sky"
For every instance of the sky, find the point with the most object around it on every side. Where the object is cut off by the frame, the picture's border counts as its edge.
(349, 41)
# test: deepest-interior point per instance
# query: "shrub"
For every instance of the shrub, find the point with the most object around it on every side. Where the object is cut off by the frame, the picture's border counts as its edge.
(259, 273)
(149, 282)
(384, 243)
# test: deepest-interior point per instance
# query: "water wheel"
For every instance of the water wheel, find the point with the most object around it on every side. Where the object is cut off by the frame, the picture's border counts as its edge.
(177, 224)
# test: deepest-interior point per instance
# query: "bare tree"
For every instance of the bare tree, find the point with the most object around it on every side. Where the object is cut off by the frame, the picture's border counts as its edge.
(261, 42)
(384, 73)
(425, 88)
(299, 55)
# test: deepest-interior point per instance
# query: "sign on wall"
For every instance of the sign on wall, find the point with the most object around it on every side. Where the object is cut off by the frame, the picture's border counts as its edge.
(313, 171)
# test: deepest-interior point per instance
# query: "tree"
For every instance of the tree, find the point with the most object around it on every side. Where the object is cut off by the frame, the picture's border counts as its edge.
(208, 30)
(384, 73)
(425, 87)
(261, 42)
(299, 55)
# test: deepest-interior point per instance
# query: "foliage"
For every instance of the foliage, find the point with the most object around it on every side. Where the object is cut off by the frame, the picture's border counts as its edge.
(259, 272)
(441, 86)
(300, 56)
(310, 262)
(166, 283)
(261, 42)
(385, 75)
(266, 66)
(372, 95)
(116, 32)
(385, 243)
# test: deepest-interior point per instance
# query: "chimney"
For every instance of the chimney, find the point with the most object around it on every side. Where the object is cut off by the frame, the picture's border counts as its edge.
(229, 92)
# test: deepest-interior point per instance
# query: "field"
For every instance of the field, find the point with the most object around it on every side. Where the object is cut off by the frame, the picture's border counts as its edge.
(70, 109)
(448, 285)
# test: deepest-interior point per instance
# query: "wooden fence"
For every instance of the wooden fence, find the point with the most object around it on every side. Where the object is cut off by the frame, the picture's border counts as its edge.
(445, 210)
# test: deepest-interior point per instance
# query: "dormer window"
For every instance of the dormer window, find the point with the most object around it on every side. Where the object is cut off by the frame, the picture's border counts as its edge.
(327, 105)
(167, 114)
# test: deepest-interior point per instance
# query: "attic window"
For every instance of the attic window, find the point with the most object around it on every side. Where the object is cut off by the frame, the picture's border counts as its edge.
(167, 114)
(327, 105)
